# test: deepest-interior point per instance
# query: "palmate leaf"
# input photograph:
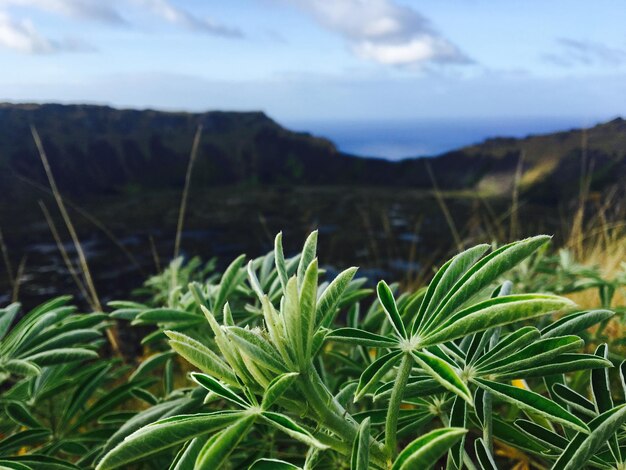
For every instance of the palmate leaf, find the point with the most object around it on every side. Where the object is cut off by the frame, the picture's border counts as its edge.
(424, 451)
(584, 445)
(495, 312)
(61, 355)
(574, 400)
(200, 356)
(230, 279)
(533, 403)
(308, 255)
(330, 298)
(279, 261)
(559, 365)
(276, 388)
(217, 449)
(458, 419)
(219, 389)
(537, 353)
(291, 428)
(487, 270)
(388, 302)
(362, 338)
(273, 464)
(375, 372)
(443, 373)
(485, 459)
(7, 315)
(308, 306)
(165, 434)
(166, 316)
(361, 447)
(508, 344)
(443, 282)
(575, 323)
(256, 348)
(19, 414)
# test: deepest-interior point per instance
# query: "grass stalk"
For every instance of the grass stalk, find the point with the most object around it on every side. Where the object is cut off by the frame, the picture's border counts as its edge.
(7, 261)
(183, 202)
(444, 208)
(64, 255)
(18, 277)
(72, 231)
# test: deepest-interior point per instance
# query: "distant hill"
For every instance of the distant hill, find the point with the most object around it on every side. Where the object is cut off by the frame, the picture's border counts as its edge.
(96, 150)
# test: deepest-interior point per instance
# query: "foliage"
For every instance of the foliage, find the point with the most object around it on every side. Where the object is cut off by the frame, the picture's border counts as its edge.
(293, 373)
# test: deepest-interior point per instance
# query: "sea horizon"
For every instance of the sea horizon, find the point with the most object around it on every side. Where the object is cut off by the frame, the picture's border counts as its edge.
(396, 139)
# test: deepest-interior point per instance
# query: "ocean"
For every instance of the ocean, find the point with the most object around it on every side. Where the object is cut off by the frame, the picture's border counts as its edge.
(397, 139)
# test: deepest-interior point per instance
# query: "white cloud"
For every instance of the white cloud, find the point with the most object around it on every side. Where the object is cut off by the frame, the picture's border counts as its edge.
(22, 36)
(93, 10)
(385, 32)
(183, 18)
(575, 52)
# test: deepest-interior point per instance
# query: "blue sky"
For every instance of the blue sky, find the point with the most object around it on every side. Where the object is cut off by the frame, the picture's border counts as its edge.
(321, 59)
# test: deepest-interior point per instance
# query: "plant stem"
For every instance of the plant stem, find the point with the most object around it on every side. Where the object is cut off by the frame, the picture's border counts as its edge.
(391, 424)
(333, 416)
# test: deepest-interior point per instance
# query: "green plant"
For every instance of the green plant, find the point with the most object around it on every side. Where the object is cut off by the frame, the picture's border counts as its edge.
(439, 355)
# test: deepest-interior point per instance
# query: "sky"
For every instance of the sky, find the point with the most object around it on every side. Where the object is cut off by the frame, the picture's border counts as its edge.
(301, 60)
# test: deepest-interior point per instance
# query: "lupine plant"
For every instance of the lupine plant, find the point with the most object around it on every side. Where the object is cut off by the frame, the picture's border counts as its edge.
(413, 384)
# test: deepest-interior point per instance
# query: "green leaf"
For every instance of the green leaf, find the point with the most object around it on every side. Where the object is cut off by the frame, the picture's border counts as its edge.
(485, 459)
(165, 434)
(272, 464)
(443, 282)
(230, 279)
(256, 348)
(7, 315)
(536, 353)
(276, 388)
(21, 367)
(200, 356)
(219, 447)
(308, 255)
(308, 305)
(511, 342)
(375, 372)
(279, 260)
(29, 437)
(601, 390)
(560, 365)
(425, 451)
(543, 435)
(495, 312)
(289, 427)
(361, 447)
(443, 373)
(458, 419)
(214, 386)
(487, 270)
(388, 302)
(362, 338)
(575, 400)
(61, 355)
(583, 446)
(151, 363)
(18, 412)
(330, 298)
(165, 316)
(533, 403)
(575, 323)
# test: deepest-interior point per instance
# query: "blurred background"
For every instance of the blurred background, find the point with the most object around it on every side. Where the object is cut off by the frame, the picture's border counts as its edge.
(136, 131)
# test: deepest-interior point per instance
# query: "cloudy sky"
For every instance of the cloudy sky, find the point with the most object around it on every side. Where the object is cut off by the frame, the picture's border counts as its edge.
(320, 59)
